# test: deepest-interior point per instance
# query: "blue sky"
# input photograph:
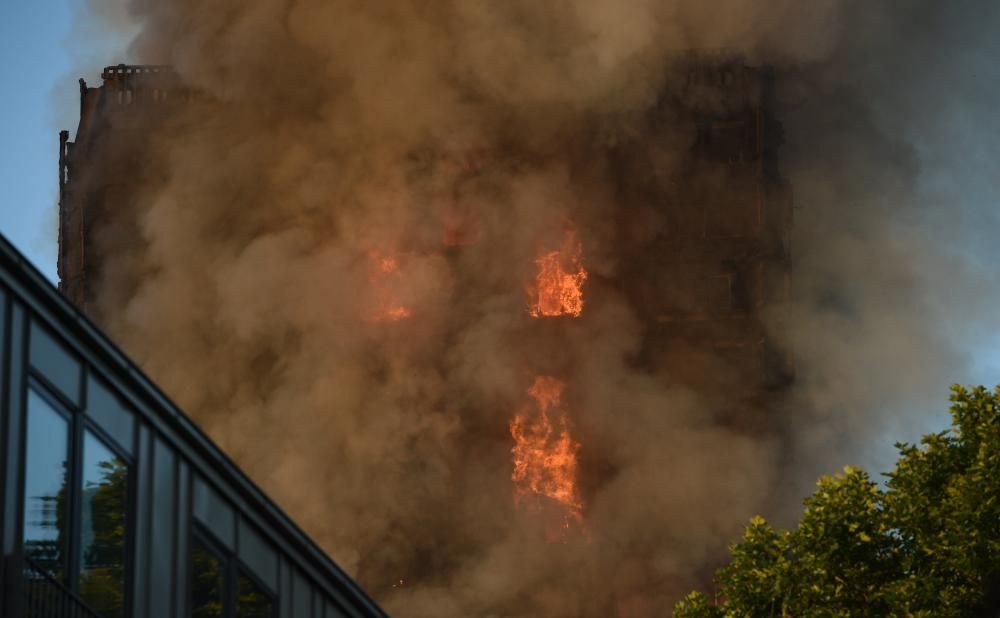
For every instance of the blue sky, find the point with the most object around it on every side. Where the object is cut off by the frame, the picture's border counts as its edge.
(36, 62)
(45, 47)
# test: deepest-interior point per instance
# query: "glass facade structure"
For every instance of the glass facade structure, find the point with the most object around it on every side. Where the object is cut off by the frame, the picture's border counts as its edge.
(114, 504)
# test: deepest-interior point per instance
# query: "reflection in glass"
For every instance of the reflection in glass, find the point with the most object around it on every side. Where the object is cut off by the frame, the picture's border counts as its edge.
(103, 498)
(206, 582)
(253, 602)
(45, 495)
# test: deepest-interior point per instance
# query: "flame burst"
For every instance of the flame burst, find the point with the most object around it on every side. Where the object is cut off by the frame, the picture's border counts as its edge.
(558, 288)
(384, 270)
(544, 457)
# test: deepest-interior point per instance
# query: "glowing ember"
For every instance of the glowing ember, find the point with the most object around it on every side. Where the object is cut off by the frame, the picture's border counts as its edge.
(392, 314)
(558, 288)
(544, 457)
(385, 264)
(384, 274)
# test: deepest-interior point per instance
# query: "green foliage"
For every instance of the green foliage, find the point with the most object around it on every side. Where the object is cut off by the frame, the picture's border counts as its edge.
(928, 544)
(207, 584)
(102, 576)
(251, 601)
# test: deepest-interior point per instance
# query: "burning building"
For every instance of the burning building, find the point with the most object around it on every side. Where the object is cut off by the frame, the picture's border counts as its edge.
(721, 259)
(703, 234)
(675, 229)
(100, 172)
(489, 296)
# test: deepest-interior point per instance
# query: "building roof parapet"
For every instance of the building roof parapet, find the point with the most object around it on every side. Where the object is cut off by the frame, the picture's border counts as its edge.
(126, 70)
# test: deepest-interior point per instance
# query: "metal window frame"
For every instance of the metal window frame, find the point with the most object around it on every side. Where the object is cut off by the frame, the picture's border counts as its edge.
(70, 451)
(232, 569)
(78, 423)
(30, 294)
(131, 496)
(13, 405)
(241, 569)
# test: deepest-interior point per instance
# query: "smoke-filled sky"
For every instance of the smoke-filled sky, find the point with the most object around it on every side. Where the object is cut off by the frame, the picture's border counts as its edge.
(340, 130)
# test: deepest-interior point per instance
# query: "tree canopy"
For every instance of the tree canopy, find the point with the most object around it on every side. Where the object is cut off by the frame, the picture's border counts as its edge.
(926, 543)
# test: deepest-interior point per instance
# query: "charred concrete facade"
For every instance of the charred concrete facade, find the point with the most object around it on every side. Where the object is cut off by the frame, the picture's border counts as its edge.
(721, 259)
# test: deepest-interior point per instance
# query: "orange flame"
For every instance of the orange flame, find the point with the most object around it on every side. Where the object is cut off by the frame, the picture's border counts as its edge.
(384, 270)
(545, 458)
(558, 288)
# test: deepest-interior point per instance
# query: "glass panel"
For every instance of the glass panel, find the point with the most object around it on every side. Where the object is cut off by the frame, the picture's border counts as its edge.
(301, 596)
(54, 362)
(111, 415)
(45, 491)
(212, 510)
(103, 499)
(206, 582)
(253, 602)
(258, 555)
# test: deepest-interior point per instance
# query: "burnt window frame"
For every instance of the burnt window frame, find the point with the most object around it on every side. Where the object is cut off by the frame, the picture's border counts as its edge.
(232, 569)
(78, 423)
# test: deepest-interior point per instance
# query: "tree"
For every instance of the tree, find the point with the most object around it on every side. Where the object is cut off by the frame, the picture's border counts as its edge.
(102, 574)
(925, 544)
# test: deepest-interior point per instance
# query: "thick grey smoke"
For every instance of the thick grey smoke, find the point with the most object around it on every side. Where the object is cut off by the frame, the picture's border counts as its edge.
(892, 153)
(349, 130)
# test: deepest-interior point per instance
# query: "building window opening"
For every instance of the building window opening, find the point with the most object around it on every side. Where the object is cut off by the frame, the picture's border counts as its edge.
(46, 529)
(103, 497)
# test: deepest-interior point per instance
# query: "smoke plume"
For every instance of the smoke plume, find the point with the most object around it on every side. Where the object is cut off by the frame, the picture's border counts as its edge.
(456, 139)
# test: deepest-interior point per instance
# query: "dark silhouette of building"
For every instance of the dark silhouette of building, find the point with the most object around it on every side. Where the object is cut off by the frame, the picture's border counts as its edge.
(100, 172)
(704, 159)
(113, 503)
(703, 162)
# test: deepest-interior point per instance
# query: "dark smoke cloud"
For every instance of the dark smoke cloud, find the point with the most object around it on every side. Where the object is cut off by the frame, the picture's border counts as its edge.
(335, 129)
(892, 155)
